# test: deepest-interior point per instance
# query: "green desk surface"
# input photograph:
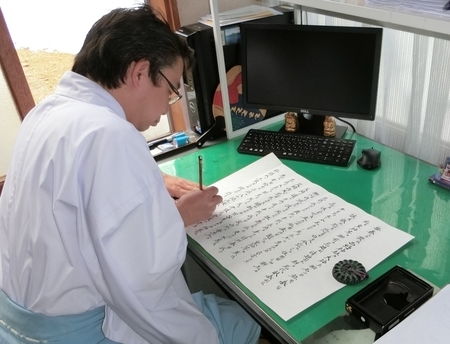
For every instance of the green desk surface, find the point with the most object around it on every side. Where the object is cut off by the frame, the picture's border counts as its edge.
(398, 193)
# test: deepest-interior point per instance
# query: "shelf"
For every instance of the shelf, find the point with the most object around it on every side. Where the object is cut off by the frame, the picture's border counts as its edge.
(424, 24)
(415, 22)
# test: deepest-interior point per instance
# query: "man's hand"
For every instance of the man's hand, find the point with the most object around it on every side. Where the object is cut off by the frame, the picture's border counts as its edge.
(178, 187)
(198, 205)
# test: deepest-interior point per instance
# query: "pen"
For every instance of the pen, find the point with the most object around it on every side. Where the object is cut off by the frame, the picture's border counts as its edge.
(200, 172)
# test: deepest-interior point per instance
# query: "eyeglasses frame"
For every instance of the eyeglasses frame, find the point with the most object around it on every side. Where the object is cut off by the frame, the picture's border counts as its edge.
(174, 90)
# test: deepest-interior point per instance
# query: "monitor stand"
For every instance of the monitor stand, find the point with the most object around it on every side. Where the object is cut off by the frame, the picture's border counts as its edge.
(313, 125)
(217, 130)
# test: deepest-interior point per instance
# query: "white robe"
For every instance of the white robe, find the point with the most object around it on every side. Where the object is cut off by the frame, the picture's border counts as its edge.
(86, 221)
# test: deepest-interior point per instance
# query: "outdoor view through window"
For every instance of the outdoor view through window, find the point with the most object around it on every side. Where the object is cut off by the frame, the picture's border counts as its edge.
(47, 34)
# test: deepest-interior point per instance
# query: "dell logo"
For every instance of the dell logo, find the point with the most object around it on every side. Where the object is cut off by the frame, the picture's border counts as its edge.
(192, 107)
(304, 111)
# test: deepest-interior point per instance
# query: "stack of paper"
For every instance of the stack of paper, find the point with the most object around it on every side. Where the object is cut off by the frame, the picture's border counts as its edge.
(241, 15)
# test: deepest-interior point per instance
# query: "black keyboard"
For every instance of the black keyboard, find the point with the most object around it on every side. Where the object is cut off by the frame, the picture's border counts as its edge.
(309, 148)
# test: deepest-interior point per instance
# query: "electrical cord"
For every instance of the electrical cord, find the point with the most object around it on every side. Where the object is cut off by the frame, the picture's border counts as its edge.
(348, 123)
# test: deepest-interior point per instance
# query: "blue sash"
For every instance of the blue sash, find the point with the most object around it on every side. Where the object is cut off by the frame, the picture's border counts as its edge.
(19, 325)
(232, 323)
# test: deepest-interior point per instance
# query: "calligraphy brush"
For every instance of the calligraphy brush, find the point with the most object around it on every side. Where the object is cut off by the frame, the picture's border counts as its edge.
(447, 6)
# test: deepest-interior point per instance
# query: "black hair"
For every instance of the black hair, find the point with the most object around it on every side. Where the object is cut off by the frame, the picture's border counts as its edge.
(127, 35)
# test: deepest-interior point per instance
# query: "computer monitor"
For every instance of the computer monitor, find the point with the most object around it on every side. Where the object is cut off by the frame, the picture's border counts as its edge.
(313, 71)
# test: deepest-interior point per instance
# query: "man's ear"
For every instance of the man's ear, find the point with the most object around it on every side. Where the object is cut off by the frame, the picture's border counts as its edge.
(138, 71)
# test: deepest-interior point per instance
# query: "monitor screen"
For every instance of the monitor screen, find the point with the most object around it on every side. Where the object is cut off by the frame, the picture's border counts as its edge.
(315, 70)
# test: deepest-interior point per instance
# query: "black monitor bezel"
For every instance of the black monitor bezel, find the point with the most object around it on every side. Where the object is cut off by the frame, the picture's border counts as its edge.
(376, 32)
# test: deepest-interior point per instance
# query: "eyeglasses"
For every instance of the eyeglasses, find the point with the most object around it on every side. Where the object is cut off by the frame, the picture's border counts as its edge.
(175, 96)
